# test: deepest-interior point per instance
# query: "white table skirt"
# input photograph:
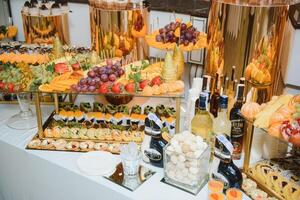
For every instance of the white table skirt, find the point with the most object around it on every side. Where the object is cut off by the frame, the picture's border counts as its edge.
(43, 175)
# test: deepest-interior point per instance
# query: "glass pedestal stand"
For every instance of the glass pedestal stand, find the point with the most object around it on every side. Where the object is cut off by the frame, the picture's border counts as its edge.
(25, 119)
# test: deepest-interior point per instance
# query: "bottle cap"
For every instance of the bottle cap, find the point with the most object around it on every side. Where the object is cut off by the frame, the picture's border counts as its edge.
(240, 91)
(206, 82)
(202, 100)
(242, 80)
(223, 102)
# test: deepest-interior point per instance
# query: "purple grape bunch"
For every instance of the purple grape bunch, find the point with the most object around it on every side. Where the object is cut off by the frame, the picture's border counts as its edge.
(139, 23)
(187, 34)
(99, 75)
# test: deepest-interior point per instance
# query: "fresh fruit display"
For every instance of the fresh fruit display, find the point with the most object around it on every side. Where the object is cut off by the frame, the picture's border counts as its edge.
(8, 32)
(112, 44)
(60, 74)
(259, 70)
(178, 61)
(134, 78)
(290, 127)
(290, 131)
(173, 87)
(62, 82)
(169, 71)
(139, 28)
(24, 58)
(15, 77)
(280, 116)
(262, 119)
(250, 109)
(280, 175)
(100, 77)
(184, 34)
(83, 72)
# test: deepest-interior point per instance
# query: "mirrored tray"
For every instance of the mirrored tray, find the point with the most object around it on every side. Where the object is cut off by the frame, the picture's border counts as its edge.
(130, 182)
(259, 3)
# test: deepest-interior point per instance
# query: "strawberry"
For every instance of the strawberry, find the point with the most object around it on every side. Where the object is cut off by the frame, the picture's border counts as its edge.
(116, 88)
(156, 80)
(103, 89)
(130, 87)
(76, 66)
(2, 86)
(10, 87)
(61, 68)
(144, 83)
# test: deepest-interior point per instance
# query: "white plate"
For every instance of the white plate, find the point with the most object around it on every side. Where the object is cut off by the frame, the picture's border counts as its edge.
(97, 163)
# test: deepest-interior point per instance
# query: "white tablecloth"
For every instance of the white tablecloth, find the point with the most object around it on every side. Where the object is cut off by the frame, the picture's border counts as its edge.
(43, 175)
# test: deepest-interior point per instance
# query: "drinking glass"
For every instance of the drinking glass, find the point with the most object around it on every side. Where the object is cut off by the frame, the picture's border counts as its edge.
(25, 119)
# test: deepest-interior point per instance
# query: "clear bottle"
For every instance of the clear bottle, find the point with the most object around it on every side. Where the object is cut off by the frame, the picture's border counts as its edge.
(202, 122)
(206, 89)
(222, 124)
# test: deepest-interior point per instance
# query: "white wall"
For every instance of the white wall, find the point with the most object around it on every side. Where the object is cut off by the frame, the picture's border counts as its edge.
(79, 22)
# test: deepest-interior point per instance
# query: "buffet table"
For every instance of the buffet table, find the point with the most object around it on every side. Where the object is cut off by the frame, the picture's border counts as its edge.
(36, 175)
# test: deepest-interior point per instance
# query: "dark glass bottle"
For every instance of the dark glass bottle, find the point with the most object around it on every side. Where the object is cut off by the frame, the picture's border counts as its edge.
(215, 97)
(223, 167)
(237, 123)
(153, 151)
(242, 80)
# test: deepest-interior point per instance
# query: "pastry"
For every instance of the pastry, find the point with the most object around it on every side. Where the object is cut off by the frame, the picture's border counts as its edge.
(34, 143)
(114, 148)
(101, 146)
(258, 194)
(248, 185)
(72, 145)
(47, 143)
(83, 146)
(60, 144)
(116, 135)
(91, 133)
(90, 144)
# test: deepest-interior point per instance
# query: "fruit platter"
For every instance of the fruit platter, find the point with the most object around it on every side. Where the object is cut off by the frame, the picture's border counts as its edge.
(87, 127)
(259, 69)
(280, 117)
(65, 69)
(7, 32)
(25, 67)
(139, 28)
(184, 34)
(112, 77)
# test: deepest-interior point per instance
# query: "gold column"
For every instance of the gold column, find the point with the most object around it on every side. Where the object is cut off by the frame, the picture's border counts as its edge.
(177, 127)
(240, 34)
(112, 32)
(39, 115)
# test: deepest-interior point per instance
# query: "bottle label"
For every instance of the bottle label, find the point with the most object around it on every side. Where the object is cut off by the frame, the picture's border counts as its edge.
(153, 154)
(223, 148)
(154, 118)
(237, 128)
(222, 139)
(220, 177)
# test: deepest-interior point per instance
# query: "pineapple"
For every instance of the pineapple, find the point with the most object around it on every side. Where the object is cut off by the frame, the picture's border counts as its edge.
(57, 48)
(178, 60)
(169, 72)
